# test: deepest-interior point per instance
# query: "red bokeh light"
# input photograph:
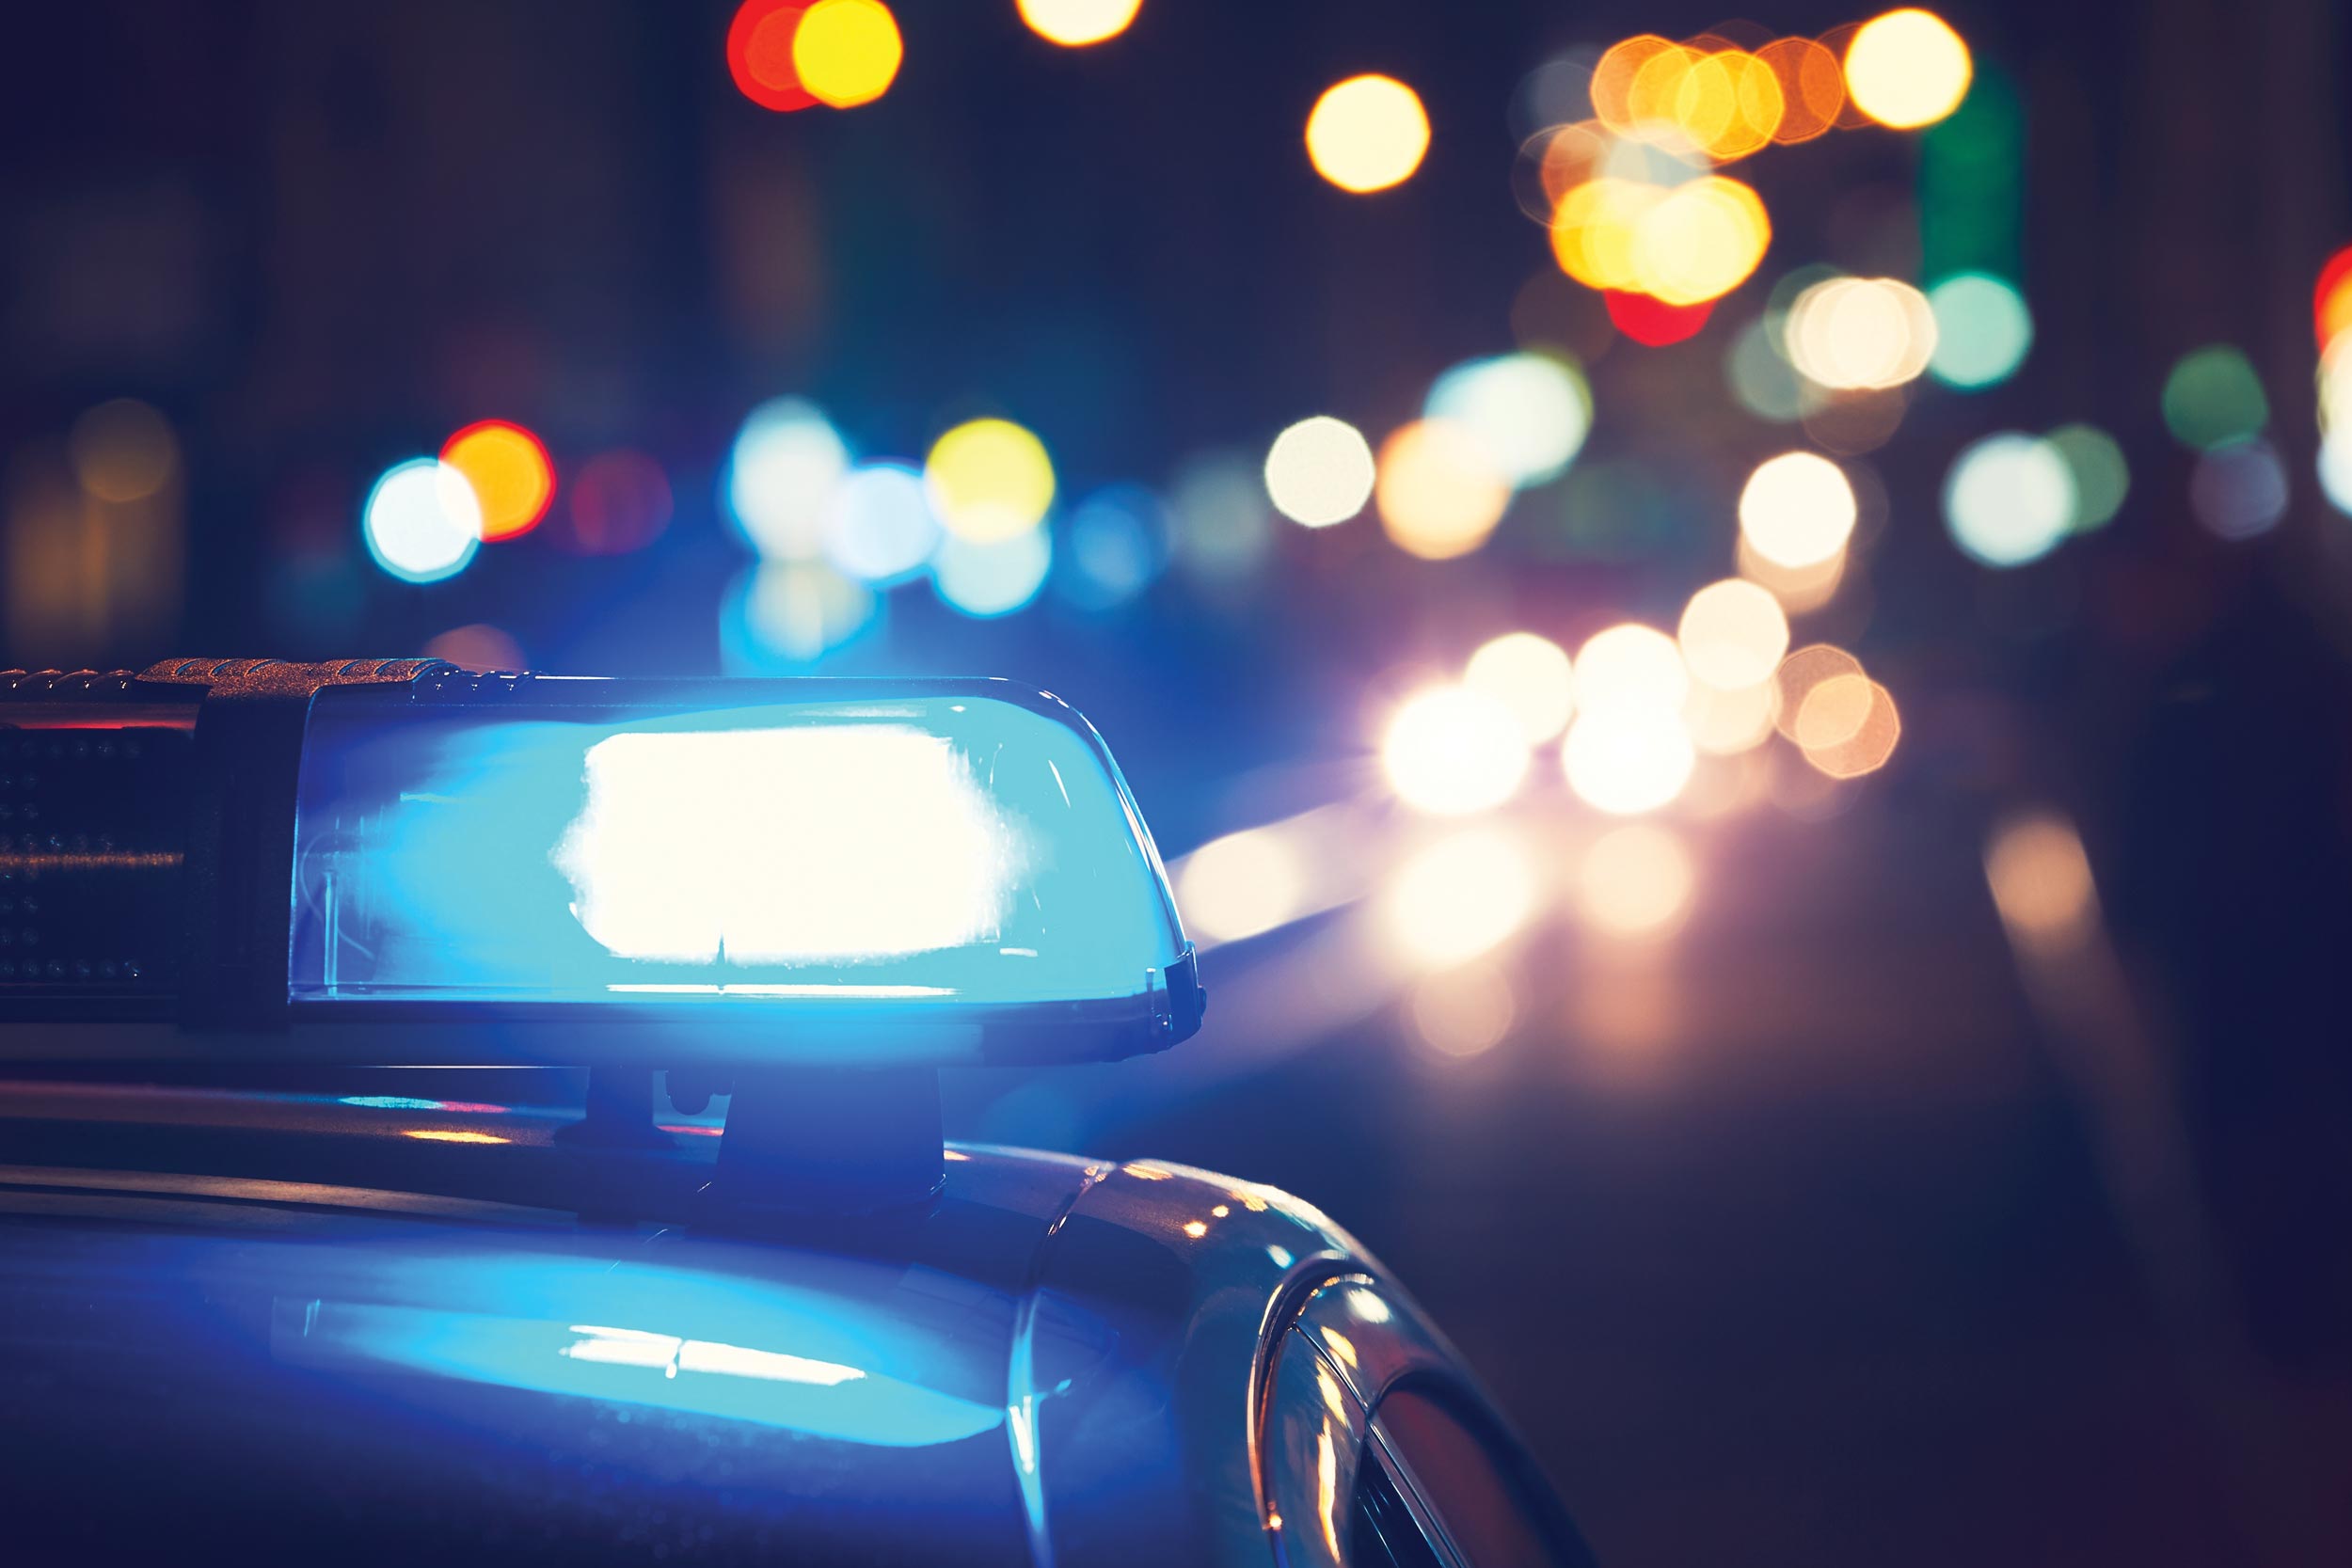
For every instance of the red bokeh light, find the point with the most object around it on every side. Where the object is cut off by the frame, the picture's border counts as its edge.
(1652, 322)
(759, 54)
(620, 502)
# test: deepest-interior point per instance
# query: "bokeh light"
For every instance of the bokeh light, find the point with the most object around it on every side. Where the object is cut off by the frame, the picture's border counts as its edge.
(1859, 333)
(1367, 134)
(1627, 760)
(1224, 525)
(986, 578)
(480, 648)
(1726, 722)
(1800, 590)
(988, 479)
(2213, 397)
(1074, 24)
(1532, 411)
(422, 522)
(780, 478)
(122, 450)
(2041, 882)
(1684, 246)
(620, 502)
(2331, 298)
(512, 476)
(1529, 674)
(1907, 68)
(2335, 467)
(1118, 547)
(2008, 498)
(1833, 712)
(1797, 509)
(1635, 880)
(1982, 330)
(846, 52)
(878, 524)
(1653, 323)
(1438, 492)
(759, 54)
(1812, 87)
(1464, 1011)
(1733, 635)
(1241, 884)
(1460, 896)
(783, 615)
(1805, 670)
(2238, 491)
(1867, 744)
(1761, 377)
(1701, 241)
(2102, 478)
(1630, 666)
(1454, 749)
(1320, 471)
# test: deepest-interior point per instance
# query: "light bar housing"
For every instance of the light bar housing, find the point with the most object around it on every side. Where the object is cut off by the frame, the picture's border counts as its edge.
(397, 862)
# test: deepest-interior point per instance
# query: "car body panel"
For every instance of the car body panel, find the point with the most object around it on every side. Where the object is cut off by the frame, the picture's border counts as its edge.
(294, 1317)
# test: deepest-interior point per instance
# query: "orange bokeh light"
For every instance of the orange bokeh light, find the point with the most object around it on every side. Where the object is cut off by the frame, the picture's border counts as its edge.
(2331, 297)
(1812, 87)
(510, 475)
(759, 54)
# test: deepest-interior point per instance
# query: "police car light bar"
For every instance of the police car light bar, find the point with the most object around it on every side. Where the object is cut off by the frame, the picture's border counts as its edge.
(395, 862)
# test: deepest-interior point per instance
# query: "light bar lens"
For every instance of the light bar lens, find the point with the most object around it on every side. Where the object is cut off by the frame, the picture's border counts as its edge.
(938, 849)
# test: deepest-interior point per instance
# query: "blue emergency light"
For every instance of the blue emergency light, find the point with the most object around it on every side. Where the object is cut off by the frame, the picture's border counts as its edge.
(402, 864)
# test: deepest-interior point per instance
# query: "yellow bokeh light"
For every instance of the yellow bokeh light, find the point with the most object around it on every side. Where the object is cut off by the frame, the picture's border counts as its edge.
(1907, 68)
(2042, 882)
(846, 52)
(1596, 228)
(1452, 749)
(509, 474)
(1367, 134)
(1685, 245)
(1797, 509)
(1241, 884)
(1729, 104)
(451, 1135)
(1627, 760)
(1464, 1011)
(1701, 241)
(1733, 634)
(1529, 674)
(1856, 334)
(1630, 666)
(1074, 24)
(1438, 491)
(1867, 749)
(988, 479)
(1460, 897)
(1635, 880)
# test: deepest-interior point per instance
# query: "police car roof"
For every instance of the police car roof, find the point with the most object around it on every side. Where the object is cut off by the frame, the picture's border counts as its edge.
(379, 1325)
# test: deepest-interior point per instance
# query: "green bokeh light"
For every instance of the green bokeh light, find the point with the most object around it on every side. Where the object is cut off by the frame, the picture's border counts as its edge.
(2102, 478)
(2212, 398)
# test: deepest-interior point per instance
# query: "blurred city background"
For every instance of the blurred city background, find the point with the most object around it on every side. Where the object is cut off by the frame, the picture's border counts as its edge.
(1736, 630)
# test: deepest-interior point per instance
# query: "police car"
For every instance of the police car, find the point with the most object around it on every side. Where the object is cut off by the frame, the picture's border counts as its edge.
(262, 1299)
